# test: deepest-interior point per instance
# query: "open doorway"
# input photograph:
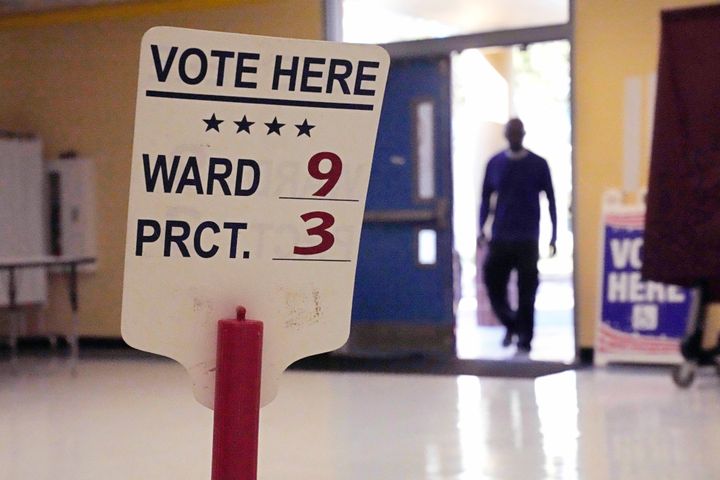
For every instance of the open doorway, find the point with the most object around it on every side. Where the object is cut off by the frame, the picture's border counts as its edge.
(491, 85)
(507, 59)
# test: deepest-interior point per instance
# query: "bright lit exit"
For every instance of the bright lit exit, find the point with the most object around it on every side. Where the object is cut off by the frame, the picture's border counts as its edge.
(490, 86)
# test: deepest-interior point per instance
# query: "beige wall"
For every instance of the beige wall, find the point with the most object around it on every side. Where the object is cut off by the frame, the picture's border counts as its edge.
(614, 40)
(71, 79)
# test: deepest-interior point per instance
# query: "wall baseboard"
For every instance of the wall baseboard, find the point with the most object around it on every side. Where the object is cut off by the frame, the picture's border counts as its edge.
(42, 343)
(586, 356)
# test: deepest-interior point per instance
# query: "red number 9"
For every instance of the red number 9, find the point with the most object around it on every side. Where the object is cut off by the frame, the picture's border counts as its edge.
(331, 177)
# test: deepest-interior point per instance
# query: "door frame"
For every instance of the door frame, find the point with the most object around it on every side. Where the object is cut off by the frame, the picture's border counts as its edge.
(501, 38)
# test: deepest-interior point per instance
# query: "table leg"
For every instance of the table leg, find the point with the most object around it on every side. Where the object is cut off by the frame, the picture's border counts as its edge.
(14, 342)
(74, 346)
(12, 291)
(74, 343)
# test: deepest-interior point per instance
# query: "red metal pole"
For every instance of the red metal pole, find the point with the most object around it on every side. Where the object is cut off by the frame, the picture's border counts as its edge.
(237, 398)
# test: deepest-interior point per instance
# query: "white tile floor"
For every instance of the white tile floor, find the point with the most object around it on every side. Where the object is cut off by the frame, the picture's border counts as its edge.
(136, 419)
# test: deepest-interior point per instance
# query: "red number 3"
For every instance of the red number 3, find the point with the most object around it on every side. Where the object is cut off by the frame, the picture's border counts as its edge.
(327, 239)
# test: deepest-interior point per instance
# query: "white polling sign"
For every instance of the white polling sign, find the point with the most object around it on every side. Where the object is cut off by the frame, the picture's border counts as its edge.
(250, 168)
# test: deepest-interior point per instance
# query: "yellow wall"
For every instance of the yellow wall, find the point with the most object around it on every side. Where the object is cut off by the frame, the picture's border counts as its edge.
(614, 39)
(71, 78)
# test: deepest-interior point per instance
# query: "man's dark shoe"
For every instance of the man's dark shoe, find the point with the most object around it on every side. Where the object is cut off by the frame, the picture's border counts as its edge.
(508, 339)
(521, 354)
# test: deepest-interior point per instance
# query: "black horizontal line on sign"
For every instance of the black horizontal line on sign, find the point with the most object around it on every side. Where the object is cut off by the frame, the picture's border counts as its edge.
(258, 101)
(320, 198)
(310, 260)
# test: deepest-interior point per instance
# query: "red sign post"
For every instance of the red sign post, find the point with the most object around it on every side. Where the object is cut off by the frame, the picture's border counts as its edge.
(237, 398)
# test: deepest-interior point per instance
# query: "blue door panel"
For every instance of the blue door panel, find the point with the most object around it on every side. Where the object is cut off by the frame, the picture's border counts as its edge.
(390, 285)
(391, 293)
(391, 185)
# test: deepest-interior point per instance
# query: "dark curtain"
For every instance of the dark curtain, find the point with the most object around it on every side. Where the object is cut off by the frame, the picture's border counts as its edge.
(682, 231)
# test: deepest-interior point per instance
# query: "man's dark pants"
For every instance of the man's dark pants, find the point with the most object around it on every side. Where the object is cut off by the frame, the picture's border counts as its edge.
(504, 257)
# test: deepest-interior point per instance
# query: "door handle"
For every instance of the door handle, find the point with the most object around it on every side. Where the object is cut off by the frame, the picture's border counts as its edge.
(437, 217)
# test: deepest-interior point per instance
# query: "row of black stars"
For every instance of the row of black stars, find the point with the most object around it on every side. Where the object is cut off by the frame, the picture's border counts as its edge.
(244, 125)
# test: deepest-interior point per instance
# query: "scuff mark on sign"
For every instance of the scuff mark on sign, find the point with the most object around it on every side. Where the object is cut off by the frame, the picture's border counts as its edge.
(303, 309)
(209, 368)
(206, 305)
(318, 307)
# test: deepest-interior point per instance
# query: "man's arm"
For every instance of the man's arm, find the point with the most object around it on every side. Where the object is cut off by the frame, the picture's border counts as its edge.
(550, 193)
(486, 193)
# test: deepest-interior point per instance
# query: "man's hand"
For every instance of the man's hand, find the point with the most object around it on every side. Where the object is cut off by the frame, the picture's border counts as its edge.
(553, 250)
(481, 240)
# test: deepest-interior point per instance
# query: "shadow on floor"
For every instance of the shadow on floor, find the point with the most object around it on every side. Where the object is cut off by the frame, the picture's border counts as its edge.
(432, 365)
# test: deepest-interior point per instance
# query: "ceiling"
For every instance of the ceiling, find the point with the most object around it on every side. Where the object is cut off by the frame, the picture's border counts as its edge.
(454, 16)
(477, 15)
(397, 20)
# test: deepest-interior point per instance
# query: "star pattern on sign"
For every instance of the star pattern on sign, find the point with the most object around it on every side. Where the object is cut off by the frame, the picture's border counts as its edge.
(304, 128)
(213, 123)
(274, 126)
(244, 125)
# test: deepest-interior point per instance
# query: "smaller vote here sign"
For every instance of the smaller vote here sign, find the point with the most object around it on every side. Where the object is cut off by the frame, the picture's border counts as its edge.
(250, 169)
(639, 318)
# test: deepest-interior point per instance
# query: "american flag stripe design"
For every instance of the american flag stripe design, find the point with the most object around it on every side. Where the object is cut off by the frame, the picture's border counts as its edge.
(615, 341)
(619, 220)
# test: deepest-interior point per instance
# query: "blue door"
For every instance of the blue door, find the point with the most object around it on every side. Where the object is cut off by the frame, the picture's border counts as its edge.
(404, 286)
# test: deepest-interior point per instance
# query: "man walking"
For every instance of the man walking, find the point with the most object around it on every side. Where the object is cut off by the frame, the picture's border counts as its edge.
(515, 177)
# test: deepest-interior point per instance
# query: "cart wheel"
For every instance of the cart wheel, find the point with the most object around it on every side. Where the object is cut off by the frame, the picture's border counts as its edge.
(683, 375)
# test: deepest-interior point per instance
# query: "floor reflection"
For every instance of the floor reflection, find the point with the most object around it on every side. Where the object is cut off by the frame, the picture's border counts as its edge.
(557, 405)
(524, 427)
(137, 419)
